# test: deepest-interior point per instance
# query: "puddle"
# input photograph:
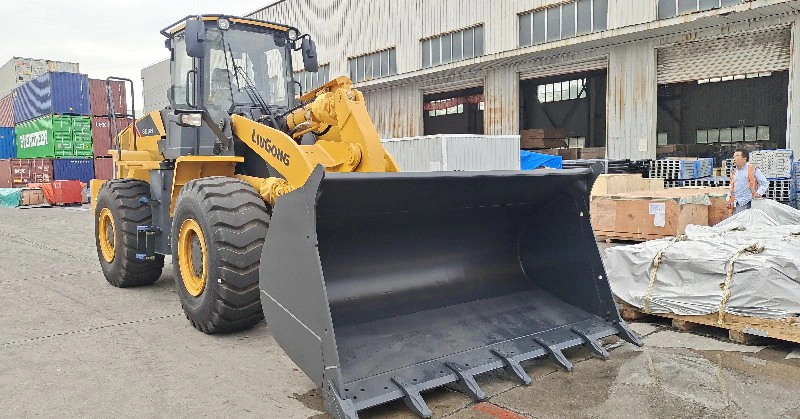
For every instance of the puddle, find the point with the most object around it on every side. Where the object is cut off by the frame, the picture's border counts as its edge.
(313, 400)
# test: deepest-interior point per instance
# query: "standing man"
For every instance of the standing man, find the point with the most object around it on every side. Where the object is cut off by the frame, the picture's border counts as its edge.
(747, 182)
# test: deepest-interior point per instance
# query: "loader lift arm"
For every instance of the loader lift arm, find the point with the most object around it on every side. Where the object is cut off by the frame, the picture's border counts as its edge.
(350, 143)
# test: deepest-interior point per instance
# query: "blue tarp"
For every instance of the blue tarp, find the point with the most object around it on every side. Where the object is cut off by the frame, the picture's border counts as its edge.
(528, 160)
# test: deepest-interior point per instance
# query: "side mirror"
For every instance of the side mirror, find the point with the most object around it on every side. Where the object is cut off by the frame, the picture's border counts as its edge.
(309, 50)
(195, 38)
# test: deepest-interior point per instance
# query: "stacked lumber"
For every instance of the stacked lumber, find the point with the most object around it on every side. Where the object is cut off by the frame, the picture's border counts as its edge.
(542, 138)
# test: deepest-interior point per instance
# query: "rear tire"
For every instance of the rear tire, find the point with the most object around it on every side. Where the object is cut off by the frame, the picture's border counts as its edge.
(119, 210)
(218, 230)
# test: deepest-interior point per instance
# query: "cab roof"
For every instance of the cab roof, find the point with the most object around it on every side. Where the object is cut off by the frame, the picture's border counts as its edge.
(178, 26)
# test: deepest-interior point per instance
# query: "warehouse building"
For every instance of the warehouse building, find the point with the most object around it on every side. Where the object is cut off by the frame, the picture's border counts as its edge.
(628, 75)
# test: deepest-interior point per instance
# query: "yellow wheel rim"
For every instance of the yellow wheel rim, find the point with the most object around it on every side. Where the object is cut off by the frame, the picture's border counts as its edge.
(192, 257)
(106, 234)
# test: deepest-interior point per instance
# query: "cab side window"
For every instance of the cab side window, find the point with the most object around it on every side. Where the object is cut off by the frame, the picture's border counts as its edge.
(181, 79)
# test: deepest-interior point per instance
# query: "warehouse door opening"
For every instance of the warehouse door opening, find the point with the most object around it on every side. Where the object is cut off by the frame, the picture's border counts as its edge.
(717, 94)
(714, 116)
(566, 111)
(457, 112)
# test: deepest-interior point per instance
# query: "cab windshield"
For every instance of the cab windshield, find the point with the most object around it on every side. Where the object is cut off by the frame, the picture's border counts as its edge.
(245, 68)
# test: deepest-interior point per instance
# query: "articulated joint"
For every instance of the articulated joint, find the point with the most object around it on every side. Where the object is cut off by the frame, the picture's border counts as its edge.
(272, 188)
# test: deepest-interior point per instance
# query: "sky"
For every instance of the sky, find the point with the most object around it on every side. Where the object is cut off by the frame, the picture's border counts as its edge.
(107, 38)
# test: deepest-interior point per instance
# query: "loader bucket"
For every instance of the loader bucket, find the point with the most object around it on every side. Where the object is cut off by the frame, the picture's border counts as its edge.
(380, 286)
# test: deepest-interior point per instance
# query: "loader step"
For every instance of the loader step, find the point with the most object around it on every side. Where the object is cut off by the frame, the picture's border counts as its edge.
(145, 242)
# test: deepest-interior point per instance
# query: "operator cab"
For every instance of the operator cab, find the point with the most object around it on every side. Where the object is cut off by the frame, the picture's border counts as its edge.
(225, 65)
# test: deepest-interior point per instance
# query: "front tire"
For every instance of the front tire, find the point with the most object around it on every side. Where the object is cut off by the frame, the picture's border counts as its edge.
(218, 230)
(121, 207)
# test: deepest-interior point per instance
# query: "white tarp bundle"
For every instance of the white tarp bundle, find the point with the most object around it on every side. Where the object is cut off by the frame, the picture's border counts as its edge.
(748, 265)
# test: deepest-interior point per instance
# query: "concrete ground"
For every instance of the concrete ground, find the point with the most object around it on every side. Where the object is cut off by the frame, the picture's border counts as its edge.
(72, 346)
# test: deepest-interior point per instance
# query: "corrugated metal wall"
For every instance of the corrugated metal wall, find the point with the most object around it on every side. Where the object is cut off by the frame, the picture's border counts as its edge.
(630, 12)
(501, 101)
(631, 103)
(156, 82)
(479, 152)
(359, 27)
(745, 53)
(397, 111)
(455, 152)
(793, 120)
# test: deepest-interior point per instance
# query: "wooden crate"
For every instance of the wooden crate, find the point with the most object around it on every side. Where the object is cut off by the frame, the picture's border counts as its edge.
(568, 153)
(741, 329)
(32, 196)
(542, 138)
(550, 151)
(628, 216)
(539, 143)
(588, 153)
(609, 184)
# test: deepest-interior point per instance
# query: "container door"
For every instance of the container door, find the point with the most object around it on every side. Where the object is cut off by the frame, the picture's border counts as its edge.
(82, 136)
(62, 136)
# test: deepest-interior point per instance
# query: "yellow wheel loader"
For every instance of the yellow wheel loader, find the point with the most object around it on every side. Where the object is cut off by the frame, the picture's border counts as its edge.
(284, 205)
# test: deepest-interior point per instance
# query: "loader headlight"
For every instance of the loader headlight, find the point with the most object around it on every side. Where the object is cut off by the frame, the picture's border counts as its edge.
(224, 24)
(191, 119)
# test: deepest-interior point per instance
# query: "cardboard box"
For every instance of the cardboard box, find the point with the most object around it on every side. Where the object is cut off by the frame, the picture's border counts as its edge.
(655, 214)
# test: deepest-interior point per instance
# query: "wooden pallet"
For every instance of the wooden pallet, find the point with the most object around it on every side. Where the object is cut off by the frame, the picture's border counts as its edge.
(617, 236)
(741, 329)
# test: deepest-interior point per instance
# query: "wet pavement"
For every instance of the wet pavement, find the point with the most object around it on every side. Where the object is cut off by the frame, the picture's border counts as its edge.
(72, 346)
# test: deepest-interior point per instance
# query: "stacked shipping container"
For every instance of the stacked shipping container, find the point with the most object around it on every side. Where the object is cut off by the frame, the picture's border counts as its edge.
(52, 94)
(103, 133)
(6, 112)
(18, 173)
(48, 116)
(18, 71)
(55, 136)
(8, 145)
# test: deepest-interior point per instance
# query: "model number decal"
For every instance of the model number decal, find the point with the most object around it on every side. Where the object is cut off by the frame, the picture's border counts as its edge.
(270, 148)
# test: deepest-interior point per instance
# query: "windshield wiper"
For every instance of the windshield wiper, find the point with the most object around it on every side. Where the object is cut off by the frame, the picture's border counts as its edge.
(227, 68)
(252, 91)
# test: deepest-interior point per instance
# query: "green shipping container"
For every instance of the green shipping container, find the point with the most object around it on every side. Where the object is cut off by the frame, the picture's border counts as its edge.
(55, 136)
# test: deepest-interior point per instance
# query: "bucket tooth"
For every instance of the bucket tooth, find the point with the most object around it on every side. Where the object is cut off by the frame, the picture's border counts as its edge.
(555, 354)
(592, 345)
(467, 381)
(340, 408)
(412, 398)
(513, 367)
(627, 334)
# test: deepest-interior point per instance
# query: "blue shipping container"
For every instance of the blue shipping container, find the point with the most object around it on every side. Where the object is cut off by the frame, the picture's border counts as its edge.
(8, 144)
(73, 169)
(51, 93)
